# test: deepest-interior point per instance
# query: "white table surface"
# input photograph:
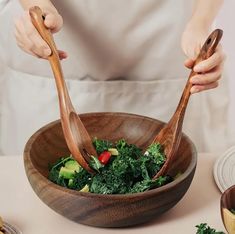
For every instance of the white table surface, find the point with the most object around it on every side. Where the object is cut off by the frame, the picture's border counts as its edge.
(20, 206)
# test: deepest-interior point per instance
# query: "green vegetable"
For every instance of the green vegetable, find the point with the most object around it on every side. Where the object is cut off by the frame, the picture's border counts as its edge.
(155, 149)
(129, 171)
(81, 179)
(73, 165)
(128, 150)
(101, 145)
(148, 184)
(66, 173)
(70, 183)
(55, 169)
(203, 228)
(95, 163)
(59, 162)
(155, 159)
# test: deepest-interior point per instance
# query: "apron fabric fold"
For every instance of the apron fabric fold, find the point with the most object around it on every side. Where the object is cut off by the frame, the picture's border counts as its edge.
(35, 101)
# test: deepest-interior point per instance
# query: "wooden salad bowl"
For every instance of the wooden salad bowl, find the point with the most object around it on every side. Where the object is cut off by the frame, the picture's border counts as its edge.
(48, 144)
(227, 202)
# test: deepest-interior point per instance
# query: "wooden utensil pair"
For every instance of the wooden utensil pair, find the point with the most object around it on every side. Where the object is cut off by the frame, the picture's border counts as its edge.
(76, 136)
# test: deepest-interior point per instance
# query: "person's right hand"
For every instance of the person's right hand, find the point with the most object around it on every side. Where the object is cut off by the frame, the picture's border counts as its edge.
(28, 38)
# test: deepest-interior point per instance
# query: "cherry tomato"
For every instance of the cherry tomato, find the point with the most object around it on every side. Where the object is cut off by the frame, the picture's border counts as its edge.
(104, 157)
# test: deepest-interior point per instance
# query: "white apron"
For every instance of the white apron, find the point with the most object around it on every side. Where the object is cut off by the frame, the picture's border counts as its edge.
(124, 56)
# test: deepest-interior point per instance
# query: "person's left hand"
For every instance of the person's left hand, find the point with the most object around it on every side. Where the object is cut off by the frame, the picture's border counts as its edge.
(210, 70)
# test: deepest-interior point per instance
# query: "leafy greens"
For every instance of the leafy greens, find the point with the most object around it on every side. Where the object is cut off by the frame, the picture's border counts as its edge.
(203, 228)
(130, 171)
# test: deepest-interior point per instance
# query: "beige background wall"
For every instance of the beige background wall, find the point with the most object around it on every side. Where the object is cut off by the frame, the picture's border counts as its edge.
(226, 21)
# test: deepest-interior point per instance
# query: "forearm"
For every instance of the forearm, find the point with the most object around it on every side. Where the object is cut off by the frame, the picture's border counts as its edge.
(43, 4)
(205, 11)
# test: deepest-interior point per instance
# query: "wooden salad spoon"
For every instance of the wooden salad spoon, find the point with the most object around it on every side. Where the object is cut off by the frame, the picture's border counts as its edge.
(170, 135)
(77, 138)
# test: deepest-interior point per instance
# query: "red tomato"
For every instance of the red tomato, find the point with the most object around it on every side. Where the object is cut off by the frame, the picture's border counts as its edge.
(104, 157)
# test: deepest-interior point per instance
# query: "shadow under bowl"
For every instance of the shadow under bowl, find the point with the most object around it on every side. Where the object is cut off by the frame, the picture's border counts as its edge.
(48, 144)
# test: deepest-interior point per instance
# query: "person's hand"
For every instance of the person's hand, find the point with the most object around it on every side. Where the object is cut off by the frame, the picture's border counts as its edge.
(210, 70)
(28, 38)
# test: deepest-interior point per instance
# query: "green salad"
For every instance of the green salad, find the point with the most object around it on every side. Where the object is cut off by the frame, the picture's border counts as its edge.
(121, 168)
(203, 228)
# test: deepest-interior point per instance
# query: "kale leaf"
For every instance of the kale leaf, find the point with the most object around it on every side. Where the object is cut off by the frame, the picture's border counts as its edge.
(154, 159)
(144, 185)
(55, 169)
(130, 171)
(108, 183)
(101, 145)
(128, 150)
(203, 228)
(80, 180)
(155, 149)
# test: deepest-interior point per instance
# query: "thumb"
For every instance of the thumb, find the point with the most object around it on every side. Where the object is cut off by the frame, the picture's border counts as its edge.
(62, 54)
(189, 63)
(53, 21)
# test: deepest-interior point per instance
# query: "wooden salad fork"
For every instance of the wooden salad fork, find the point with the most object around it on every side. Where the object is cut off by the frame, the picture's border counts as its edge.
(170, 135)
(77, 138)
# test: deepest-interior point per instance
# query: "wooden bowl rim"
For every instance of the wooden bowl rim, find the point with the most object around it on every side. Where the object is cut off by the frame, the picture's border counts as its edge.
(224, 194)
(148, 193)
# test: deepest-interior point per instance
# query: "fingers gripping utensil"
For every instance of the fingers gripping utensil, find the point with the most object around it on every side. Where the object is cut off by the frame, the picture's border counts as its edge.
(170, 135)
(76, 135)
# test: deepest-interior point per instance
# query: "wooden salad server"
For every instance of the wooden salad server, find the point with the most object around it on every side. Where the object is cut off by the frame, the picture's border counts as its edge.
(77, 138)
(170, 135)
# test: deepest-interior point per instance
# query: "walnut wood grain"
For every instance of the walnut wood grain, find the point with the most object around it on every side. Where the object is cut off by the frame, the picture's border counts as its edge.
(227, 203)
(170, 135)
(48, 144)
(76, 135)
